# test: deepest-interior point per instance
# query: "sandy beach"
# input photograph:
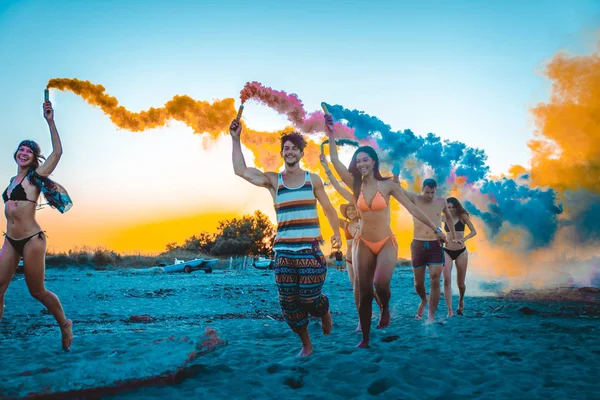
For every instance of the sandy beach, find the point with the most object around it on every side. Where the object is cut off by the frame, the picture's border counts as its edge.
(139, 336)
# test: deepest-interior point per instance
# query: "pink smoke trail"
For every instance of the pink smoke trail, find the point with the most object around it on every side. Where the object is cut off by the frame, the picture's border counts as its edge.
(292, 107)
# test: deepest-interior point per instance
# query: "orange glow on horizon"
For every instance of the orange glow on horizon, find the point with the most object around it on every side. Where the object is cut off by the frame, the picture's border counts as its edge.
(145, 237)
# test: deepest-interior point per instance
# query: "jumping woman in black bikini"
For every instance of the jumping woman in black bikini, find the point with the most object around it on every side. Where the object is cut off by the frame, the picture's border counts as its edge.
(24, 237)
(457, 252)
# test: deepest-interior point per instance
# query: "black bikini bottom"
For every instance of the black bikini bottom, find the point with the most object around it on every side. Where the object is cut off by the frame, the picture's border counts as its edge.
(19, 245)
(455, 253)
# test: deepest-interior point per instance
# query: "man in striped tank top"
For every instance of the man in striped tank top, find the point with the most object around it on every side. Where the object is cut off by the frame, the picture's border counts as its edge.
(300, 265)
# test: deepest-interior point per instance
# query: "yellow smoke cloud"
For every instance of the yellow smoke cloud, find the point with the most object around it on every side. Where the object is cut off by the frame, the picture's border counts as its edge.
(266, 148)
(515, 171)
(566, 154)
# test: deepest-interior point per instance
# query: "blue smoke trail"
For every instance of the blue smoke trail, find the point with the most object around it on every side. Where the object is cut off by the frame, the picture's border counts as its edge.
(533, 209)
(492, 219)
(398, 146)
(472, 164)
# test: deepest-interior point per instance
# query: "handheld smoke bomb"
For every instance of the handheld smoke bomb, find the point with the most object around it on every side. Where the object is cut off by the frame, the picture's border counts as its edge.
(324, 107)
(47, 99)
(323, 146)
(240, 111)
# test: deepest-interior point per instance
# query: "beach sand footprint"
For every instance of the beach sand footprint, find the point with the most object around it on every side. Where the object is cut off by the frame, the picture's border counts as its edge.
(380, 385)
(390, 338)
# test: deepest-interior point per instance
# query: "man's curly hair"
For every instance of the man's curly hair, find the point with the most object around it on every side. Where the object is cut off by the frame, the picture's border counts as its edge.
(295, 138)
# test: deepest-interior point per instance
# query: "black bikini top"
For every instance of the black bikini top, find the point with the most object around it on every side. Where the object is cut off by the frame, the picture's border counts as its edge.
(458, 227)
(17, 194)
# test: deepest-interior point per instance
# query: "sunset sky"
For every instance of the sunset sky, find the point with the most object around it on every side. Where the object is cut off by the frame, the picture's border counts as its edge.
(465, 70)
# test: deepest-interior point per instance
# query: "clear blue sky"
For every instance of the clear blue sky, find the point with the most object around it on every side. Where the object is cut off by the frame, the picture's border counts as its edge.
(465, 70)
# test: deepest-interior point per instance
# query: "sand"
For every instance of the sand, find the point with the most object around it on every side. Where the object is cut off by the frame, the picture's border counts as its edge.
(506, 346)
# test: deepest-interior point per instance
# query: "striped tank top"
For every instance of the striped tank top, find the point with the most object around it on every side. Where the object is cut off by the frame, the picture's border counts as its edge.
(297, 219)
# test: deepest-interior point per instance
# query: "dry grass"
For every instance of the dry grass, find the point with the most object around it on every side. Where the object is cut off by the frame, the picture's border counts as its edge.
(102, 258)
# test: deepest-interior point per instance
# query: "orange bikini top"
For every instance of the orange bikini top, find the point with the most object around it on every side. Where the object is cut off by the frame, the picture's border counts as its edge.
(379, 203)
(347, 232)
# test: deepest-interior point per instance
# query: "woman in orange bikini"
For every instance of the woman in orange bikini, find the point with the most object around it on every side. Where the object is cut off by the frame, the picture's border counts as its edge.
(351, 226)
(376, 248)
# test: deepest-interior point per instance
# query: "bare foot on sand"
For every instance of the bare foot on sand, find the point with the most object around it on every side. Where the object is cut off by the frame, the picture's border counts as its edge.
(363, 344)
(326, 324)
(306, 351)
(358, 328)
(421, 310)
(67, 335)
(461, 307)
(384, 319)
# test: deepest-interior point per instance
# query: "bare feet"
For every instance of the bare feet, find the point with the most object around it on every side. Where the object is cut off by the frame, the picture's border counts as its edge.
(363, 344)
(384, 319)
(358, 328)
(450, 314)
(306, 351)
(307, 348)
(67, 335)
(431, 314)
(459, 312)
(326, 324)
(421, 310)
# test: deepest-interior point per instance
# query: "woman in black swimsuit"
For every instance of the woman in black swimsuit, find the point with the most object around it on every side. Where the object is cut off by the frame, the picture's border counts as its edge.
(24, 237)
(457, 252)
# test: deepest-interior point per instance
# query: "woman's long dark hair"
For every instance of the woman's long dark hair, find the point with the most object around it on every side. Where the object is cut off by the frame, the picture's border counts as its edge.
(353, 169)
(460, 210)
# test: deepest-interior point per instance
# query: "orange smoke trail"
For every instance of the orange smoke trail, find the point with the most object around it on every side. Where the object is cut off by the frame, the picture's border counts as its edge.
(201, 116)
(566, 155)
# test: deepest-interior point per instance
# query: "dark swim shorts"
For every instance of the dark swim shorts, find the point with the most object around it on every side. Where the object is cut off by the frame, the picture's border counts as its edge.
(426, 252)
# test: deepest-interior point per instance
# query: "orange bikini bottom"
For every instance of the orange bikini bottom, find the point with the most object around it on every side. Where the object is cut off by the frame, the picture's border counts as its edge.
(377, 246)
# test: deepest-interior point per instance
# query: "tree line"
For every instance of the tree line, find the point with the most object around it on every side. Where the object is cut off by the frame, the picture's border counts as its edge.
(249, 235)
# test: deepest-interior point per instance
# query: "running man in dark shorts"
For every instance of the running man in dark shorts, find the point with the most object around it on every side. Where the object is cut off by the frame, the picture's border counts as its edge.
(426, 249)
